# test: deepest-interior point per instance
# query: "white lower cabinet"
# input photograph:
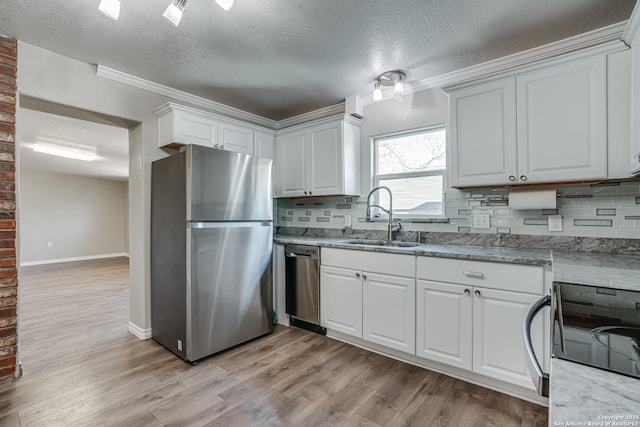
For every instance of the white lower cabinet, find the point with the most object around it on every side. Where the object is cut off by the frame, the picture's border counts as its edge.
(474, 323)
(341, 300)
(388, 311)
(444, 323)
(498, 350)
(369, 295)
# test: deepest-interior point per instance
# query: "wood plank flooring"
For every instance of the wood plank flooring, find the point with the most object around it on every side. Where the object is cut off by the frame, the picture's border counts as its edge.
(82, 368)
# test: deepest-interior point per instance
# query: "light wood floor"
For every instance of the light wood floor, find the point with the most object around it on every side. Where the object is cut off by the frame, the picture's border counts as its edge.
(81, 368)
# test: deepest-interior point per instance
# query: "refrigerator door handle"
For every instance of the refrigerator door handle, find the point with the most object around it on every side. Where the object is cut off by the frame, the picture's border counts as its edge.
(228, 224)
(540, 379)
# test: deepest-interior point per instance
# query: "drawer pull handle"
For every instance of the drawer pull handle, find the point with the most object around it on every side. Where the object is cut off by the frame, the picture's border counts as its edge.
(473, 274)
(467, 292)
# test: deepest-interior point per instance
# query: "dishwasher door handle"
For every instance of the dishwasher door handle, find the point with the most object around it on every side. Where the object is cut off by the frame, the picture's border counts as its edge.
(292, 255)
(540, 378)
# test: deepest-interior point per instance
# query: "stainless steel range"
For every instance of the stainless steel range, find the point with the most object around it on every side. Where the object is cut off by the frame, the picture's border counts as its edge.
(598, 327)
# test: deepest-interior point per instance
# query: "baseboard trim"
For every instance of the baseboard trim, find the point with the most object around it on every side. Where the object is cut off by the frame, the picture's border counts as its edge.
(138, 332)
(71, 259)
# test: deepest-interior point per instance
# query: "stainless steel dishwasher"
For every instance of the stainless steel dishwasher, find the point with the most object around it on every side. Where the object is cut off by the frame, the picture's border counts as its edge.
(302, 286)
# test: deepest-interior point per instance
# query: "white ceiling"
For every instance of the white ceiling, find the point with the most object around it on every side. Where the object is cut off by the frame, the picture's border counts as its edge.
(280, 58)
(111, 144)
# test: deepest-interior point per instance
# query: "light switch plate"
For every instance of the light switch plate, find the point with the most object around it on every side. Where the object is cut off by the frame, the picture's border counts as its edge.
(555, 222)
(481, 220)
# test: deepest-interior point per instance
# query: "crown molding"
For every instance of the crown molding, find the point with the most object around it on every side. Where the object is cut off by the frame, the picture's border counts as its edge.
(331, 110)
(605, 35)
(215, 107)
(633, 26)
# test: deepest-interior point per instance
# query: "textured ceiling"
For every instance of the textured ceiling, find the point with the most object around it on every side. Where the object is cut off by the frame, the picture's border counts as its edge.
(280, 58)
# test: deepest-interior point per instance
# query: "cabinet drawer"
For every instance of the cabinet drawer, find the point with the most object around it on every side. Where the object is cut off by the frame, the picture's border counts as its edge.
(373, 262)
(510, 277)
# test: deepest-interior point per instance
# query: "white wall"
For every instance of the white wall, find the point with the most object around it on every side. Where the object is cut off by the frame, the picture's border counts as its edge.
(80, 216)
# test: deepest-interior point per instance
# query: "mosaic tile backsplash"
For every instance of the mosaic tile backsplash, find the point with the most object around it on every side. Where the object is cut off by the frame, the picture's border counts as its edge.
(611, 209)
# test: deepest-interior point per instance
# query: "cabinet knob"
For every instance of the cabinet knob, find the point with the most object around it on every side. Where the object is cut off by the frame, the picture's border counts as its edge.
(477, 293)
(523, 177)
(215, 146)
(512, 178)
(467, 292)
(305, 193)
(358, 275)
(364, 276)
(221, 146)
(310, 193)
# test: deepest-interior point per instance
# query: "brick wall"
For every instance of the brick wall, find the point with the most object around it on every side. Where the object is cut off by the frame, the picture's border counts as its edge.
(8, 270)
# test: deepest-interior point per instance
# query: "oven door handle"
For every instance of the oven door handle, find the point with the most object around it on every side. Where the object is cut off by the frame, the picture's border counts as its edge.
(540, 379)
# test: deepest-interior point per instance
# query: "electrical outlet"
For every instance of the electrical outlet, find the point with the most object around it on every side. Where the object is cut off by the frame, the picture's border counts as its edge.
(555, 222)
(481, 220)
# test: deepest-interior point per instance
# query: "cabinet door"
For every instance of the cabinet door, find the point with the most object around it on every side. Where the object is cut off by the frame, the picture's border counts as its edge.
(388, 306)
(482, 136)
(236, 138)
(562, 122)
(325, 160)
(498, 341)
(341, 300)
(444, 323)
(263, 145)
(190, 128)
(291, 159)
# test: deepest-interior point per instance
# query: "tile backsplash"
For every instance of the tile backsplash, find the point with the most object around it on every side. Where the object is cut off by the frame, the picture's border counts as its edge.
(611, 209)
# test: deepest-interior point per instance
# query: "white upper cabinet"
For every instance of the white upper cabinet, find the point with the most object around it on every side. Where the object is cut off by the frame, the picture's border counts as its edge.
(483, 134)
(562, 122)
(539, 124)
(235, 138)
(263, 145)
(319, 159)
(632, 38)
(179, 125)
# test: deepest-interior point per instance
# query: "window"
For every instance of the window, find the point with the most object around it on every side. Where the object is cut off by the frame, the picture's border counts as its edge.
(412, 165)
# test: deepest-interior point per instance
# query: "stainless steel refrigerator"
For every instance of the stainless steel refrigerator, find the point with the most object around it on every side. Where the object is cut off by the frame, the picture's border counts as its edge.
(211, 246)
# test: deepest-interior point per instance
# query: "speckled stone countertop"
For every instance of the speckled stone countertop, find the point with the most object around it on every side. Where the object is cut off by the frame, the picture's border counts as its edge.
(581, 395)
(597, 269)
(476, 253)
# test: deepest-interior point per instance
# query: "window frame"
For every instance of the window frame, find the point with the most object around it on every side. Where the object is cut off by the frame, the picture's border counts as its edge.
(435, 172)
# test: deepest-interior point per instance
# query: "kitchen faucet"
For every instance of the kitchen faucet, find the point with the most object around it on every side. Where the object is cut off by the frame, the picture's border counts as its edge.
(388, 212)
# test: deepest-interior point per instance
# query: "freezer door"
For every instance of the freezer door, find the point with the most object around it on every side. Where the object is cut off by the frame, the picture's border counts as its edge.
(227, 186)
(229, 289)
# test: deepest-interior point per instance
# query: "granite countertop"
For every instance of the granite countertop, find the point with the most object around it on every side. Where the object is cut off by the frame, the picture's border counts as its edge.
(581, 395)
(476, 253)
(597, 269)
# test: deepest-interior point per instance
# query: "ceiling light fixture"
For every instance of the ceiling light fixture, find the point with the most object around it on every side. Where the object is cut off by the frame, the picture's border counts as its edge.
(63, 151)
(110, 8)
(377, 91)
(173, 13)
(395, 78)
(225, 4)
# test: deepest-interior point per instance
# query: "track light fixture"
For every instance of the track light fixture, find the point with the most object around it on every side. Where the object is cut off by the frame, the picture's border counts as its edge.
(395, 78)
(173, 13)
(110, 8)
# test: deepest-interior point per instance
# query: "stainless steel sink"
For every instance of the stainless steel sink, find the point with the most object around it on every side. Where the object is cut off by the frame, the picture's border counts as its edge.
(392, 243)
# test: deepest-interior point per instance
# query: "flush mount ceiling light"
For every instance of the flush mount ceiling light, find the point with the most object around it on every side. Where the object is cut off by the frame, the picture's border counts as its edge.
(110, 8)
(65, 151)
(395, 78)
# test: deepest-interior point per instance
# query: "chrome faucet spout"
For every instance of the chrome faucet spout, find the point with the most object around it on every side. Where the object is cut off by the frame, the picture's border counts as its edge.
(388, 212)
